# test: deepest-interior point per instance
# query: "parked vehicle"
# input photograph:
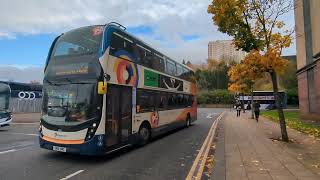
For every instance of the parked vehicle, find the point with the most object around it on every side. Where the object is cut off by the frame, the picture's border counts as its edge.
(5, 114)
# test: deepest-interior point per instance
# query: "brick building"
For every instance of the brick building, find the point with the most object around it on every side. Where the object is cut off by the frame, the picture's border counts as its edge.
(307, 19)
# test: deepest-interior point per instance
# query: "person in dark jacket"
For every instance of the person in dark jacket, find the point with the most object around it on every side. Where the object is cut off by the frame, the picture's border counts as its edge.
(256, 109)
(238, 108)
(249, 106)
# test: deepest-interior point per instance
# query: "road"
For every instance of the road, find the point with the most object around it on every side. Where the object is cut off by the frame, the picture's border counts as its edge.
(167, 157)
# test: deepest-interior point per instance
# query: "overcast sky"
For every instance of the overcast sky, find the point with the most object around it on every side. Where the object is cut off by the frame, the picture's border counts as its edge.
(180, 29)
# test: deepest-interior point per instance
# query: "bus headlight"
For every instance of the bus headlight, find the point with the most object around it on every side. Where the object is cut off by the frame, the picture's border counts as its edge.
(40, 130)
(91, 130)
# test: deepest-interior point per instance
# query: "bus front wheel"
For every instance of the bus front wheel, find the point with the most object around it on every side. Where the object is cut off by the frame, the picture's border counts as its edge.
(144, 134)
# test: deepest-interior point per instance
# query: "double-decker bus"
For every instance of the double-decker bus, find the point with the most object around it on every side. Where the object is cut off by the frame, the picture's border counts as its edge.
(104, 89)
(5, 114)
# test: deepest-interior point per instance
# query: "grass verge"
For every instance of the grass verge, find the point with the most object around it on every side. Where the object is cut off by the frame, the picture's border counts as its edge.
(294, 122)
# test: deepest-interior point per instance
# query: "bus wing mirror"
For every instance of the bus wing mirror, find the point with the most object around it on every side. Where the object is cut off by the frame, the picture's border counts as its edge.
(107, 77)
(102, 87)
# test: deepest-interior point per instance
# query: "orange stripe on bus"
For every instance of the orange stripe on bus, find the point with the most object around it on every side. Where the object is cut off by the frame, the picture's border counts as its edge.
(60, 141)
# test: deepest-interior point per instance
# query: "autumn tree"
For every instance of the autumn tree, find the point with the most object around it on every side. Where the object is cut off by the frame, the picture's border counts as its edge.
(244, 75)
(256, 27)
(289, 78)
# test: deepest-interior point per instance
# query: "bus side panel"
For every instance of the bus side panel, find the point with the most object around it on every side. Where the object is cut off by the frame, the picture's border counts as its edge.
(194, 111)
(194, 102)
(163, 118)
(170, 116)
(104, 64)
(101, 127)
(135, 125)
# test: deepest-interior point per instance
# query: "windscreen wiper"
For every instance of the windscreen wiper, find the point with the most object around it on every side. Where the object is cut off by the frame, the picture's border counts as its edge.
(57, 84)
(51, 83)
(77, 82)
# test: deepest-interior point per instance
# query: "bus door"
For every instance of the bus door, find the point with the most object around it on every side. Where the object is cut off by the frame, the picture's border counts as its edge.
(119, 115)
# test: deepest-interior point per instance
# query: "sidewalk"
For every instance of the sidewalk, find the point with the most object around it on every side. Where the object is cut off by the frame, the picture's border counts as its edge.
(26, 117)
(250, 152)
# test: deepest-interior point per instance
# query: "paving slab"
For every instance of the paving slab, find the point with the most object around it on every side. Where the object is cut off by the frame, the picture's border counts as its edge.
(26, 117)
(251, 154)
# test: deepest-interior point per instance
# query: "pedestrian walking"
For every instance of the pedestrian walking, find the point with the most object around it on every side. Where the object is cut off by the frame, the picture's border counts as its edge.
(238, 108)
(249, 106)
(256, 109)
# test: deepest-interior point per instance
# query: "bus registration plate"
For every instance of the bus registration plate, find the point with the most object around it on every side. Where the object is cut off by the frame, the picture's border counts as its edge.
(60, 149)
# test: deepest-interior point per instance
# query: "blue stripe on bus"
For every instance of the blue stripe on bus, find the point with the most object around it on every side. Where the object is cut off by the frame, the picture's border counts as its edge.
(122, 52)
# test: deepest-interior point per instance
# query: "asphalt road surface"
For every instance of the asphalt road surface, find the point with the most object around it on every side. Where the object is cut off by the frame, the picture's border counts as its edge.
(167, 157)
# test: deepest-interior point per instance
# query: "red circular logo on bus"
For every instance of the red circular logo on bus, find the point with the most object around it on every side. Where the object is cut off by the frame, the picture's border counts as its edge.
(127, 72)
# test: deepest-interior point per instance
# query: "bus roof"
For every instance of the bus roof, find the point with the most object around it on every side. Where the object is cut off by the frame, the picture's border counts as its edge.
(268, 91)
(123, 29)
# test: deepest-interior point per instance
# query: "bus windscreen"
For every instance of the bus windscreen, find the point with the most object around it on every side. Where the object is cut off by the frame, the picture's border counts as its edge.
(82, 41)
(69, 104)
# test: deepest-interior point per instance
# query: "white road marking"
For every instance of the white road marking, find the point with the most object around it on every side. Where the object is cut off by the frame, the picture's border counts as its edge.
(71, 175)
(8, 151)
(209, 116)
(15, 149)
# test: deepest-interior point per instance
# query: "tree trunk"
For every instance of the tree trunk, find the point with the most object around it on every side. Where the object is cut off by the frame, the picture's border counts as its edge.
(282, 121)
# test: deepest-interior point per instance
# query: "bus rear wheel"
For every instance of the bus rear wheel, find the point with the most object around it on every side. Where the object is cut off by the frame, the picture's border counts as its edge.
(188, 121)
(144, 134)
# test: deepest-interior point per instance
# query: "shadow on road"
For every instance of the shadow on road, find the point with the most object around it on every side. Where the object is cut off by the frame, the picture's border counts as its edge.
(4, 129)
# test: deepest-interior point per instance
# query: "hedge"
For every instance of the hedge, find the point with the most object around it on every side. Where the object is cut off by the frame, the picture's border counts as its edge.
(215, 97)
(293, 98)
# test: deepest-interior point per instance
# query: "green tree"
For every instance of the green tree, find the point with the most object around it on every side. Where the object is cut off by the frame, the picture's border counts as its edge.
(256, 27)
(289, 78)
(214, 75)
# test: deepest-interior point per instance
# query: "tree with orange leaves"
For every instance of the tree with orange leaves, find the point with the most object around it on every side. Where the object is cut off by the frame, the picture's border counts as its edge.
(256, 28)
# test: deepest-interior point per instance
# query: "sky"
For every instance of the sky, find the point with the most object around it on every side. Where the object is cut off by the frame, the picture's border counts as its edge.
(181, 29)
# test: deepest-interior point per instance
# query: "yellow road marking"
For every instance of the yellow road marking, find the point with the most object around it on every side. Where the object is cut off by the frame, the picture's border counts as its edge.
(203, 153)
(205, 156)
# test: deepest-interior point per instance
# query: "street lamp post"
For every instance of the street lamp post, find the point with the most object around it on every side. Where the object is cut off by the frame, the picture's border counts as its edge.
(244, 111)
(252, 112)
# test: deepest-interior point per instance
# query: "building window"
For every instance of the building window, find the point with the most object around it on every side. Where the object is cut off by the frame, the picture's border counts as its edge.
(312, 91)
